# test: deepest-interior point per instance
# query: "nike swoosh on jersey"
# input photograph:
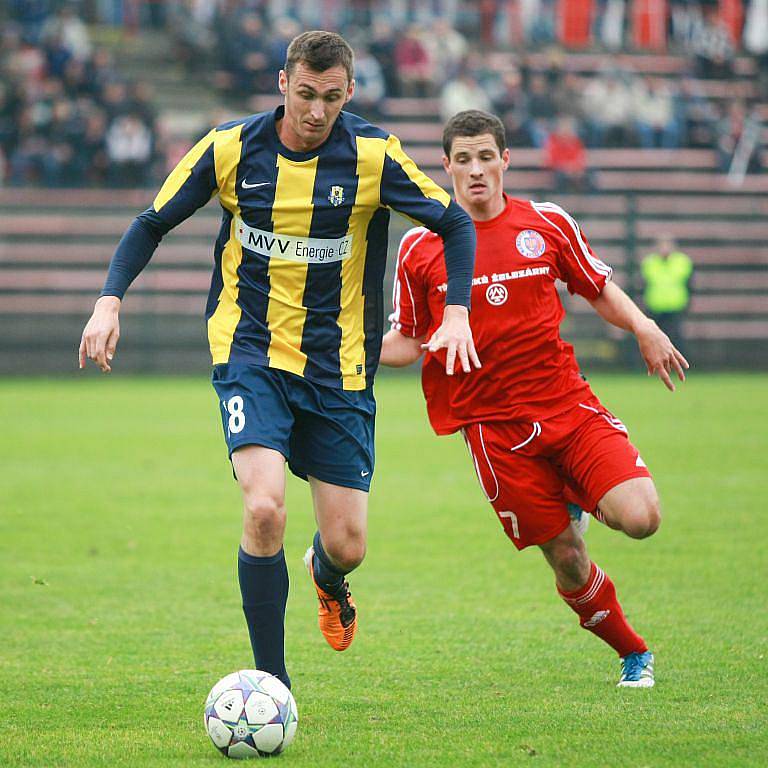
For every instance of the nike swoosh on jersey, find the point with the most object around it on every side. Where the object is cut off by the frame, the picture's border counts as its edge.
(246, 185)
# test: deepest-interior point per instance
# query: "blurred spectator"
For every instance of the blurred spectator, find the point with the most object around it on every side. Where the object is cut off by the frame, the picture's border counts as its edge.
(738, 135)
(541, 109)
(114, 99)
(370, 88)
(566, 157)
(610, 21)
(414, 65)
(511, 105)
(463, 92)
(244, 59)
(382, 47)
(448, 48)
(538, 20)
(66, 28)
(59, 103)
(654, 113)
(756, 41)
(129, 150)
(90, 160)
(696, 115)
(607, 106)
(31, 15)
(567, 95)
(10, 104)
(189, 23)
(667, 273)
(283, 31)
(684, 14)
(711, 46)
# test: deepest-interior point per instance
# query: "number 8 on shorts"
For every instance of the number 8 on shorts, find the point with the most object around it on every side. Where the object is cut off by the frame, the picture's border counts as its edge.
(236, 413)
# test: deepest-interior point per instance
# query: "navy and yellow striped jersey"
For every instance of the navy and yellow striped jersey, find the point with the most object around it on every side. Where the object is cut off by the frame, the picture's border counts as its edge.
(301, 253)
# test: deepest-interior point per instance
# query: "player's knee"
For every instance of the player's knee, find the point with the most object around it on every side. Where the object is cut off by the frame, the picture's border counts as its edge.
(264, 516)
(643, 518)
(347, 553)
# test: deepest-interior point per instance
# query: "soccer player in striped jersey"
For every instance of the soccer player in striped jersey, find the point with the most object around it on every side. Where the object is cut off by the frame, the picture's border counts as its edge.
(539, 438)
(295, 316)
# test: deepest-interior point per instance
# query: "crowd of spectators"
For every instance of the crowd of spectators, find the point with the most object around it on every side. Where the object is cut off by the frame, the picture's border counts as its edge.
(67, 118)
(424, 50)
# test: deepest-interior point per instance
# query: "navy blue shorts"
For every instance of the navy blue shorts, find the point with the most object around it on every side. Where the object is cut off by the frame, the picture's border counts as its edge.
(322, 432)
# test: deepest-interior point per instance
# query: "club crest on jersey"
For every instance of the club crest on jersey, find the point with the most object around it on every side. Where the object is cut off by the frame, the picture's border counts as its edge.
(336, 195)
(496, 293)
(530, 244)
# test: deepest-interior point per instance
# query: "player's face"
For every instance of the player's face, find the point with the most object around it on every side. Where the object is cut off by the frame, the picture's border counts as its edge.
(313, 101)
(476, 168)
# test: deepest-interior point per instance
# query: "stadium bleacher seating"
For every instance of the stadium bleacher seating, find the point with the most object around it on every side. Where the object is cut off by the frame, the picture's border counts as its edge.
(55, 244)
(52, 264)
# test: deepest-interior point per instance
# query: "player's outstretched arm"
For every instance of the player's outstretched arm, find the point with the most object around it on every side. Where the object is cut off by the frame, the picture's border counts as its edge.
(398, 350)
(660, 355)
(101, 333)
(455, 336)
(188, 187)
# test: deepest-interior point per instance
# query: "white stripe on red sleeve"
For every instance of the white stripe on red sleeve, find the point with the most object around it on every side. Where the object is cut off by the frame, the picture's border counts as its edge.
(407, 244)
(586, 261)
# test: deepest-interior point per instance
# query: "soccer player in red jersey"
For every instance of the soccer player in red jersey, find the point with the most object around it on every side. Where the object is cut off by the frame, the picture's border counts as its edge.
(539, 438)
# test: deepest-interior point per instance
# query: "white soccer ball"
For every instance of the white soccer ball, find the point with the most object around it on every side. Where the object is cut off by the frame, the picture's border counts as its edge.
(250, 713)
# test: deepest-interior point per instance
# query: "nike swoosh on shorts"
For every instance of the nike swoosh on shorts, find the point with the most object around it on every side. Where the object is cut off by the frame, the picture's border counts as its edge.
(246, 185)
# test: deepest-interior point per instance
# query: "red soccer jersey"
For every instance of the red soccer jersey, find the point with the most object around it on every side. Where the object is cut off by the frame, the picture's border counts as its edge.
(529, 373)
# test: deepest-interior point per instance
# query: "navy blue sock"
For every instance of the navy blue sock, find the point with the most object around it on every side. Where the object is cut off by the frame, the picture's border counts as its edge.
(264, 587)
(327, 575)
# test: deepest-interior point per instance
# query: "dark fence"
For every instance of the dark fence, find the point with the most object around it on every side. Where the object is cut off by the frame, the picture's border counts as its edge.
(55, 246)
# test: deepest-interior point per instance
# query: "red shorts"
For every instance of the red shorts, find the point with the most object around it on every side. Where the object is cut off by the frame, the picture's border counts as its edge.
(530, 472)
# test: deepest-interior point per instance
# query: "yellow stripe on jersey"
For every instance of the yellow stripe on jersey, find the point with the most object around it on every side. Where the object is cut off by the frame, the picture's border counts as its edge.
(182, 171)
(420, 179)
(223, 322)
(370, 164)
(291, 215)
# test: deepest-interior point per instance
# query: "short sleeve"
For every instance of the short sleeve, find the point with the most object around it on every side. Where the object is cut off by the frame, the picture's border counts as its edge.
(582, 271)
(408, 190)
(410, 315)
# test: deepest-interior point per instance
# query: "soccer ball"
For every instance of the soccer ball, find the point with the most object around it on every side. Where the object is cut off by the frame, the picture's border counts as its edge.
(250, 713)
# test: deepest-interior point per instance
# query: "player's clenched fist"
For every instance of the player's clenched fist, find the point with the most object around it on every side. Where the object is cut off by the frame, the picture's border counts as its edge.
(455, 335)
(101, 333)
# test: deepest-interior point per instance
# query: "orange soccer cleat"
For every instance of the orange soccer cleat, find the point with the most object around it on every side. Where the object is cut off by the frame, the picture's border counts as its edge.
(336, 614)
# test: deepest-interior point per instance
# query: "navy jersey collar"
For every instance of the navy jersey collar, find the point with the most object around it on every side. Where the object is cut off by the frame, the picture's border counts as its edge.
(278, 114)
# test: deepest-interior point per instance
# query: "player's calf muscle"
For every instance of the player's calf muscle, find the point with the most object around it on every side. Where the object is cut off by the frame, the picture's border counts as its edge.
(568, 558)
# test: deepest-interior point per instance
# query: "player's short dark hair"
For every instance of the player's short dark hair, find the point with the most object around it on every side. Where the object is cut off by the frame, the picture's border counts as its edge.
(473, 122)
(320, 50)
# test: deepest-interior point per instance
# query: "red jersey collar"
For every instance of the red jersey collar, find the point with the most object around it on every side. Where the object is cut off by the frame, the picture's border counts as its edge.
(495, 220)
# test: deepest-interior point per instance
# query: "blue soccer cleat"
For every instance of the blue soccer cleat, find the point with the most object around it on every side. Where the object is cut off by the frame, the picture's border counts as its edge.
(637, 671)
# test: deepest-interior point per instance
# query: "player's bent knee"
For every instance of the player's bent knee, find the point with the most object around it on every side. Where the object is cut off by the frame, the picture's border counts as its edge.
(347, 555)
(643, 520)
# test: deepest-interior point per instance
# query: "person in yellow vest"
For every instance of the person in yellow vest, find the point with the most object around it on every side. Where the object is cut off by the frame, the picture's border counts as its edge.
(667, 273)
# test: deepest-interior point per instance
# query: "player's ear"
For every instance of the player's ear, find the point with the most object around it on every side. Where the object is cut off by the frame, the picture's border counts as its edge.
(350, 90)
(447, 164)
(282, 82)
(505, 158)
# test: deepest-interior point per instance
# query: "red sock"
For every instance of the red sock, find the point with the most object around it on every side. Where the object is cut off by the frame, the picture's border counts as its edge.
(601, 614)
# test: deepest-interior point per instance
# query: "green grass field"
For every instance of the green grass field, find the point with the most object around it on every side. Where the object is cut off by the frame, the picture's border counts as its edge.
(119, 523)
